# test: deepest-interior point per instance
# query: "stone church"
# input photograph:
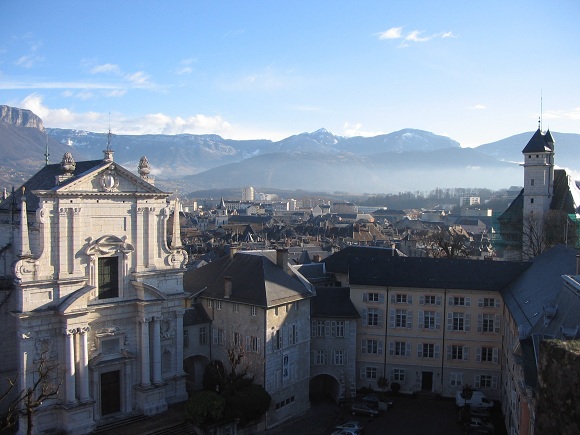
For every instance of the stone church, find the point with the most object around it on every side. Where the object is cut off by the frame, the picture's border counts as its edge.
(88, 280)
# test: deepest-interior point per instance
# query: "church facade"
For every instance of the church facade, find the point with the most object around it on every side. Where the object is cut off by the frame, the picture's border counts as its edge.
(91, 285)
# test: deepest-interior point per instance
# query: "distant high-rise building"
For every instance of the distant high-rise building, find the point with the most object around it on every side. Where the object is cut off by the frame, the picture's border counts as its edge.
(248, 193)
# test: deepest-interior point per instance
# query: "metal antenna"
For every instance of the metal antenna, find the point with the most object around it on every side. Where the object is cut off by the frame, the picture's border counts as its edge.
(109, 135)
(541, 107)
(46, 154)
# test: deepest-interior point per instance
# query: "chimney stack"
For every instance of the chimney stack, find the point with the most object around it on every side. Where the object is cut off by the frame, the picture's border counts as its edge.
(282, 258)
(227, 287)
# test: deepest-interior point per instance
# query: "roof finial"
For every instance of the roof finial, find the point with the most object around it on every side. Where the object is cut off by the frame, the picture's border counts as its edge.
(109, 152)
(541, 109)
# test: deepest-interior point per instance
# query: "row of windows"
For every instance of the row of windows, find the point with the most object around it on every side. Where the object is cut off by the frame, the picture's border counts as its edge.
(218, 305)
(403, 298)
(337, 357)
(431, 320)
(327, 328)
(455, 379)
(285, 402)
(219, 337)
(432, 350)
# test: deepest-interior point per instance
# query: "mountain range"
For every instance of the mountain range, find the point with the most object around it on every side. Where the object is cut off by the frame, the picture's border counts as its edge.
(405, 160)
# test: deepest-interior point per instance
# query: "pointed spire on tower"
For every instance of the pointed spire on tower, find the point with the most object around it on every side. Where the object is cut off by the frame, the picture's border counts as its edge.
(109, 151)
(24, 240)
(46, 154)
(176, 239)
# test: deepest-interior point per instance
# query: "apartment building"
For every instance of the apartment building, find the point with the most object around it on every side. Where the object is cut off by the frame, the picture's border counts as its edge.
(255, 303)
(429, 324)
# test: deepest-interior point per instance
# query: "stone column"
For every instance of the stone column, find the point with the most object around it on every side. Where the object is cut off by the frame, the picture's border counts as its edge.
(152, 236)
(75, 238)
(144, 350)
(139, 247)
(84, 365)
(70, 365)
(62, 242)
(179, 341)
(156, 349)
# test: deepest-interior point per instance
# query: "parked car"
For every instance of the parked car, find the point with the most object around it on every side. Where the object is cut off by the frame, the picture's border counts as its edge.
(478, 400)
(353, 425)
(364, 409)
(374, 401)
(478, 425)
(345, 432)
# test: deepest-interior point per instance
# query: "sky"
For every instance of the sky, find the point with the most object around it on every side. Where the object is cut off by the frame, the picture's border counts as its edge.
(476, 71)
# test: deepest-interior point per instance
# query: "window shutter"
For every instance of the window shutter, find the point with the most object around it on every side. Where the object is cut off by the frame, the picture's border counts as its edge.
(214, 335)
(381, 315)
(364, 317)
(450, 301)
(449, 352)
(363, 346)
(420, 350)
(392, 375)
(437, 351)
(409, 319)
(327, 328)
(467, 322)
(332, 354)
(381, 298)
(333, 329)
(407, 349)
(449, 321)
(391, 348)
(258, 345)
(313, 330)
(422, 300)
(479, 322)
(497, 302)
(495, 355)
(393, 298)
(380, 347)
(478, 354)
(365, 297)
(437, 320)
(345, 362)
(480, 302)
(477, 381)
(437, 300)
(494, 382)
(410, 299)
(392, 319)
(496, 324)
(467, 302)
(465, 353)
(346, 328)
(362, 372)
(248, 343)
(421, 321)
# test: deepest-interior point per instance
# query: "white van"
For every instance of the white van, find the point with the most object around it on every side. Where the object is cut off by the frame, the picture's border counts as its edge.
(478, 400)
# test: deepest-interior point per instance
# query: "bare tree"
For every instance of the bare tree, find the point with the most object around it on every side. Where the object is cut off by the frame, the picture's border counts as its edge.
(47, 379)
(447, 242)
(542, 232)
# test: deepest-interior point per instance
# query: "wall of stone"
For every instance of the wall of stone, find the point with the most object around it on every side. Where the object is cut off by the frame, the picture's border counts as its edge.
(558, 405)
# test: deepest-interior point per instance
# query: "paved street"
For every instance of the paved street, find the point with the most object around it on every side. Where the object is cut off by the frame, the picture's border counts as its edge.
(408, 416)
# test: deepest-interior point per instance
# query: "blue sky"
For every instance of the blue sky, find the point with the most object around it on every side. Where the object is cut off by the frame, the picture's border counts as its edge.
(471, 70)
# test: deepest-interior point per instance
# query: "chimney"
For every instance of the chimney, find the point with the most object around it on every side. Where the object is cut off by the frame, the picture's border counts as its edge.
(282, 258)
(316, 258)
(227, 287)
(233, 251)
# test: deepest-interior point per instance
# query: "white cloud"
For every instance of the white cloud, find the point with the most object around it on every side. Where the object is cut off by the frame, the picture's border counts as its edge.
(106, 68)
(571, 114)
(412, 36)
(351, 130)
(478, 107)
(28, 61)
(184, 70)
(392, 33)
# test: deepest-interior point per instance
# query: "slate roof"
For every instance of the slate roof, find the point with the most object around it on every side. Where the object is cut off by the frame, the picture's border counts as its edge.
(45, 179)
(339, 261)
(539, 285)
(195, 315)
(333, 302)
(256, 280)
(251, 219)
(421, 272)
(540, 143)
